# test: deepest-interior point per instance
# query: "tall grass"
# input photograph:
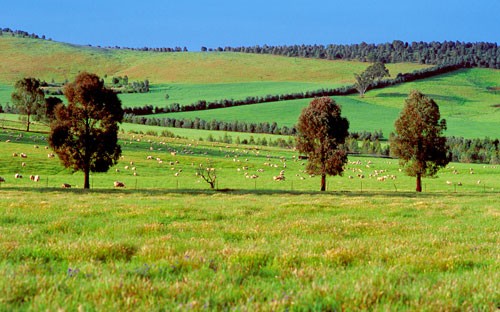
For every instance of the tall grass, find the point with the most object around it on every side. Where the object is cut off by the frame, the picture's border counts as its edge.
(150, 250)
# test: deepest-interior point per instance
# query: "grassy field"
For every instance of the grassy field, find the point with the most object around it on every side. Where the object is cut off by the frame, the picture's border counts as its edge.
(168, 242)
(463, 96)
(21, 57)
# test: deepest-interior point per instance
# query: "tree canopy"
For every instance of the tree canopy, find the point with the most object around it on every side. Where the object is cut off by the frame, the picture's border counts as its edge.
(84, 134)
(419, 142)
(321, 134)
(29, 98)
(372, 74)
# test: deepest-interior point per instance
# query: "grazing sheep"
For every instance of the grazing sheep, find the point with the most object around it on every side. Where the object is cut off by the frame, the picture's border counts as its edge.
(35, 178)
(18, 176)
(149, 157)
(66, 185)
(23, 155)
(459, 183)
(51, 155)
(14, 155)
(36, 146)
(118, 184)
(449, 182)
(279, 178)
(23, 164)
(2, 179)
(117, 170)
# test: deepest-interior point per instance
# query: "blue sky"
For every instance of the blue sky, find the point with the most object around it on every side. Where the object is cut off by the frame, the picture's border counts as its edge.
(214, 23)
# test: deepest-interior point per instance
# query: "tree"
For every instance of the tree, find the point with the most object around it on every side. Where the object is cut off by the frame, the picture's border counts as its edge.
(418, 141)
(28, 97)
(84, 133)
(321, 133)
(373, 73)
(207, 173)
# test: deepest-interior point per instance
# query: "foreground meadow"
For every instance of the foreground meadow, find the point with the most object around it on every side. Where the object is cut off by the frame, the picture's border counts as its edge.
(199, 250)
(168, 242)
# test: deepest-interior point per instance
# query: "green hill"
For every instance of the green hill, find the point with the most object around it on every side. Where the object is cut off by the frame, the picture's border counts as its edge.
(468, 98)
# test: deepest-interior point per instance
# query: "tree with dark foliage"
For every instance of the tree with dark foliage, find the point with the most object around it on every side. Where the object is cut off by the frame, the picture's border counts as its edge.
(321, 134)
(419, 142)
(372, 74)
(84, 134)
(28, 97)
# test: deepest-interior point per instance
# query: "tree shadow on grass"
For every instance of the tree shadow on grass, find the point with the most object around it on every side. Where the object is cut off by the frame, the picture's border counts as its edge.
(237, 192)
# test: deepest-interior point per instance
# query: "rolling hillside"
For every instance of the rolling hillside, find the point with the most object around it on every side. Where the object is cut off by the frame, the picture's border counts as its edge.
(468, 98)
(465, 97)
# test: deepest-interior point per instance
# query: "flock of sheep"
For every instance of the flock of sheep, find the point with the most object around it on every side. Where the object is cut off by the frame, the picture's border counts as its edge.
(354, 169)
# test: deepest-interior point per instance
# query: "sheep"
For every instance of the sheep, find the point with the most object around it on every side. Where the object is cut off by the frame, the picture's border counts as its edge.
(18, 176)
(23, 155)
(35, 178)
(66, 185)
(149, 157)
(2, 179)
(14, 155)
(449, 182)
(23, 164)
(118, 184)
(279, 178)
(51, 155)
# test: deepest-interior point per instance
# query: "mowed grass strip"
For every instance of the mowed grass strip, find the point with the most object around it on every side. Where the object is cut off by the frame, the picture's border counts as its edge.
(148, 250)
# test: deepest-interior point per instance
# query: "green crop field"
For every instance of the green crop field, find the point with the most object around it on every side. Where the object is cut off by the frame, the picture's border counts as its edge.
(167, 241)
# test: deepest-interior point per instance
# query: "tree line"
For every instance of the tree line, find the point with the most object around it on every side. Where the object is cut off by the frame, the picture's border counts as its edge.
(477, 54)
(345, 90)
(484, 151)
(25, 34)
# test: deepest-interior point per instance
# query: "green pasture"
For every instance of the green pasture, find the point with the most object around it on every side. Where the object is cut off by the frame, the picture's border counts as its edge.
(235, 164)
(186, 94)
(166, 241)
(464, 97)
(22, 57)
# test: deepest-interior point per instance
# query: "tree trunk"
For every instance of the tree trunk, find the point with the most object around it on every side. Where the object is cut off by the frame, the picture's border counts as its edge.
(86, 182)
(323, 182)
(419, 182)
(28, 124)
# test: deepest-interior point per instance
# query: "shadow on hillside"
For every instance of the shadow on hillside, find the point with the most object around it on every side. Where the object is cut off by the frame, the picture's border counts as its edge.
(236, 192)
